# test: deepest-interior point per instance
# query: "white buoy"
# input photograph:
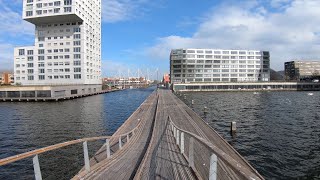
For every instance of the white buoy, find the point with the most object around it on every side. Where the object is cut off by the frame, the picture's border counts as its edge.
(205, 109)
(192, 102)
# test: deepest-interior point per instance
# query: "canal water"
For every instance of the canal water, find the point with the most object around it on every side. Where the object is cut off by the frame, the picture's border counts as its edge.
(28, 126)
(277, 132)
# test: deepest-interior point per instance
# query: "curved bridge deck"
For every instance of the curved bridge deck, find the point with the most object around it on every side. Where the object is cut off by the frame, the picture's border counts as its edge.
(167, 140)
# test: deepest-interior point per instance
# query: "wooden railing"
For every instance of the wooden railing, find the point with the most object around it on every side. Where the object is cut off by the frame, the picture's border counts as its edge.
(35, 153)
(214, 154)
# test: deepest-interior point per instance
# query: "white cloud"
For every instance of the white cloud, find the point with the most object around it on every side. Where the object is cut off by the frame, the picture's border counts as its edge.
(122, 10)
(11, 21)
(12, 27)
(292, 33)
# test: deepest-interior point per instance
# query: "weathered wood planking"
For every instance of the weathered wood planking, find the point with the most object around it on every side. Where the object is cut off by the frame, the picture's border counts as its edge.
(152, 152)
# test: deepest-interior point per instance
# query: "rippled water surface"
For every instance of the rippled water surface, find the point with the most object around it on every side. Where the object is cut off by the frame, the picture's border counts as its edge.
(277, 132)
(27, 126)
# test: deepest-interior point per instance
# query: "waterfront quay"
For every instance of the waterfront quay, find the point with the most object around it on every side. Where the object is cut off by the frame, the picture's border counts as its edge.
(162, 139)
(247, 86)
(49, 93)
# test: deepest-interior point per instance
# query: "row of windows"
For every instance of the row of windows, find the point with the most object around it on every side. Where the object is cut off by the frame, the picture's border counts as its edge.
(216, 52)
(214, 70)
(218, 66)
(75, 63)
(216, 75)
(42, 77)
(176, 57)
(62, 24)
(216, 61)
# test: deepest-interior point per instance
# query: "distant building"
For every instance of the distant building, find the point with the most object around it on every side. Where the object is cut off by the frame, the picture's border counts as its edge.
(6, 78)
(301, 70)
(217, 65)
(67, 48)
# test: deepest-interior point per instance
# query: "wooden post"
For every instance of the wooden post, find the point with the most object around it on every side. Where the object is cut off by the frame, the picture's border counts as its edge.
(174, 132)
(182, 143)
(191, 152)
(36, 168)
(86, 156)
(128, 138)
(108, 148)
(213, 167)
(233, 128)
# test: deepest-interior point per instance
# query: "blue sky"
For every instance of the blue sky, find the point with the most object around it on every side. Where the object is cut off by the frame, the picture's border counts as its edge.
(139, 34)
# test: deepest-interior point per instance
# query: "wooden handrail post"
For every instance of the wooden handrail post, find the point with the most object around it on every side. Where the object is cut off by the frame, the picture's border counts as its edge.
(182, 143)
(178, 138)
(108, 148)
(36, 168)
(174, 132)
(86, 156)
(191, 152)
(213, 167)
(120, 143)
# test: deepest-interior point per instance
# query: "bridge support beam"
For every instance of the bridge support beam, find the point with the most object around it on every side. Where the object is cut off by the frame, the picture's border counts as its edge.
(213, 167)
(36, 168)
(86, 156)
(108, 148)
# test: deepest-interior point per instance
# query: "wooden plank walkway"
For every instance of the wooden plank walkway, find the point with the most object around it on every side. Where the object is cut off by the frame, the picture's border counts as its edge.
(153, 153)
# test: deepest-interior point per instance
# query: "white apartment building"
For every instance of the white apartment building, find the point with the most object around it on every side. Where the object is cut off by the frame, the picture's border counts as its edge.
(217, 65)
(67, 48)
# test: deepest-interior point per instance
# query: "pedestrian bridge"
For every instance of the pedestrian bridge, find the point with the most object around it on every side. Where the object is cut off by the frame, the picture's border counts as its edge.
(162, 139)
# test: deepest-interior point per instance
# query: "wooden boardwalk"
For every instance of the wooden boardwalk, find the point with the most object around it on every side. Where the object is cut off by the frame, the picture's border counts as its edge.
(153, 153)
(163, 139)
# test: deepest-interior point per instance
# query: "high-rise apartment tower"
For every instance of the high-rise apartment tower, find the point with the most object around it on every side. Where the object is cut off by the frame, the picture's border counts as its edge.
(67, 49)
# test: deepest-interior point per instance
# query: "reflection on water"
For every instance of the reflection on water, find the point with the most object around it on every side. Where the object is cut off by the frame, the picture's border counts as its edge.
(278, 132)
(27, 126)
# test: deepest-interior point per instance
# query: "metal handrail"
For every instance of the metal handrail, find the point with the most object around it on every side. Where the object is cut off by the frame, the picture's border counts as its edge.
(235, 165)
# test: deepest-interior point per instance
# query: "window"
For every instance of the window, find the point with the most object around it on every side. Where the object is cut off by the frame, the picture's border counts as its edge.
(67, 2)
(41, 71)
(30, 78)
(77, 76)
(30, 52)
(77, 36)
(30, 64)
(67, 76)
(30, 58)
(30, 71)
(76, 29)
(41, 58)
(41, 77)
(77, 49)
(41, 64)
(76, 63)
(21, 52)
(39, 5)
(77, 56)
(57, 3)
(67, 9)
(41, 51)
(76, 43)
(40, 39)
(29, 13)
(77, 69)
(56, 10)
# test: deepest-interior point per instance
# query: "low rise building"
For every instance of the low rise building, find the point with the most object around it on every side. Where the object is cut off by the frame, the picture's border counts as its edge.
(218, 65)
(6, 78)
(302, 70)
